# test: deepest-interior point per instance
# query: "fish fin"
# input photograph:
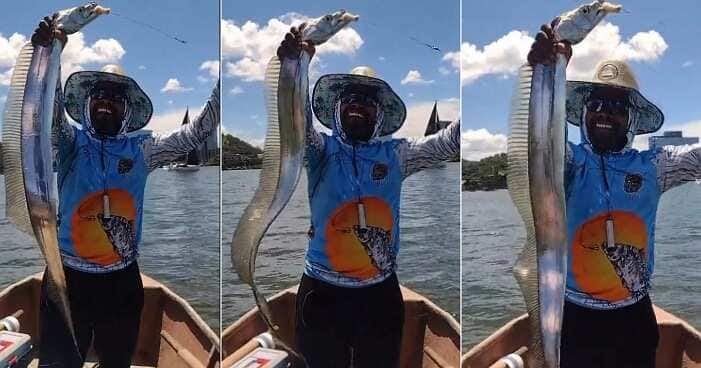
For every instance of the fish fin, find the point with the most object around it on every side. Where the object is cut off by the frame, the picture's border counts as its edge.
(247, 236)
(271, 149)
(517, 147)
(16, 206)
(525, 270)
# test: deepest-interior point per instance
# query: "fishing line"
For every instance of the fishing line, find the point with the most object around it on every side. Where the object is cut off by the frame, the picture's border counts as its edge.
(143, 24)
(419, 42)
(433, 47)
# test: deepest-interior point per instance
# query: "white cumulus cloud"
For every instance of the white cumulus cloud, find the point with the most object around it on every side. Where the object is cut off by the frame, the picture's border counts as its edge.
(169, 121)
(173, 86)
(480, 143)
(606, 42)
(75, 57)
(211, 67)
(9, 49)
(415, 77)
(237, 90)
(247, 47)
(6, 77)
(505, 55)
(77, 53)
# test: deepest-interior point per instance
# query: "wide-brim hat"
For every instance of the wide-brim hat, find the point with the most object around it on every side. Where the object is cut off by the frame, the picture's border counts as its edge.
(616, 74)
(80, 84)
(329, 88)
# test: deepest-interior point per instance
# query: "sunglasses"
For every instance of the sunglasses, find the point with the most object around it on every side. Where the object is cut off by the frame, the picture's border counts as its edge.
(614, 107)
(108, 93)
(358, 99)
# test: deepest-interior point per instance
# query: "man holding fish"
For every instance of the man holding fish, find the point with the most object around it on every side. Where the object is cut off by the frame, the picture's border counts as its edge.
(102, 170)
(612, 192)
(349, 305)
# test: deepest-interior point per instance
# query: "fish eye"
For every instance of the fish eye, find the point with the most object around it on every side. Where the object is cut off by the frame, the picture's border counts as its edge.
(585, 10)
(327, 18)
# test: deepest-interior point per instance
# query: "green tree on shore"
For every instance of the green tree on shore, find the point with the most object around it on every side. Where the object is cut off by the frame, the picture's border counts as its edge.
(486, 174)
(237, 154)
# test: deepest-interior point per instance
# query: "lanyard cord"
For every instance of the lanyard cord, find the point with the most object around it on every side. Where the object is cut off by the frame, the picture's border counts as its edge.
(606, 185)
(610, 232)
(361, 207)
(105, 196)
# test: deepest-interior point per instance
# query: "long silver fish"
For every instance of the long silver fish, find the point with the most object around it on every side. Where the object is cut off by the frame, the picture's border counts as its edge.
(535, 177)
(26, 146)
(287, 99)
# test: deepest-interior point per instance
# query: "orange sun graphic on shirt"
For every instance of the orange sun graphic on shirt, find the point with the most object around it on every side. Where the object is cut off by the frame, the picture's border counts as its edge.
(345, 251)
(602, 273)
(89, 237)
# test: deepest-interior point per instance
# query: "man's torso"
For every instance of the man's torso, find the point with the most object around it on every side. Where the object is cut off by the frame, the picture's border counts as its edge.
(621, 188)
(343, 185)
(89, 239)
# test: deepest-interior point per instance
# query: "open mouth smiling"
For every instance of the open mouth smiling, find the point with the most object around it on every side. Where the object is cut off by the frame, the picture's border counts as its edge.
(604, 125)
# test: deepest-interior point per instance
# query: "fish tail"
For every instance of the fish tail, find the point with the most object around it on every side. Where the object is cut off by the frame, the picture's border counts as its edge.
(266, 315)
(57, 293)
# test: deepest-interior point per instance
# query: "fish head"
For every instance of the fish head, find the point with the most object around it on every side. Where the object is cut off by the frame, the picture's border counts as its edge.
(321, 29)
(73, 19)
(576, 24)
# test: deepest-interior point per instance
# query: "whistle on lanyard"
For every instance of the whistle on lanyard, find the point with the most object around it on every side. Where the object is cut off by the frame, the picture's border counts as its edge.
(361, 216)
(106, 206)
(610, 236)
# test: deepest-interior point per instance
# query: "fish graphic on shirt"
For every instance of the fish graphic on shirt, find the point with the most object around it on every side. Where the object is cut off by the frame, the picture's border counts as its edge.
(630, 265)
(120, 232)
(376, 242)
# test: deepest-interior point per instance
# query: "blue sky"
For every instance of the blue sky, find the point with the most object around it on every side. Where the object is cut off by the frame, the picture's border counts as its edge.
(381, 39)
(668, 75)
(147, 56)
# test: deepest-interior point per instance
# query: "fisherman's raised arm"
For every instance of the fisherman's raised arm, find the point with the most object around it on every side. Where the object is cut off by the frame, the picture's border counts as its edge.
(430, 151)
(62, 133)
(168, 147)
(677, 165)
(290, 48)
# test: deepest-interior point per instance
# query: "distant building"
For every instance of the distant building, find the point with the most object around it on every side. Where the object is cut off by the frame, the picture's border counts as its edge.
(434, 122)
(671, 138)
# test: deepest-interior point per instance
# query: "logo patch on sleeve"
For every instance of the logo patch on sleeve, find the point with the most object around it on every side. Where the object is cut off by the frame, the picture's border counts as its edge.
(633, 183)
(379, 171)
(125, 165)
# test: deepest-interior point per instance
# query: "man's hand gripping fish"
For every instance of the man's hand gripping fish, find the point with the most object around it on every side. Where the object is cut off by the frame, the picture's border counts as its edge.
(287, 100)
(535, 177)
(26, 146)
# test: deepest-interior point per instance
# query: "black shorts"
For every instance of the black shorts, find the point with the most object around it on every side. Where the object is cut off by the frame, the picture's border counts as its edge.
(106, 310)
(344, 327)
(621, 338)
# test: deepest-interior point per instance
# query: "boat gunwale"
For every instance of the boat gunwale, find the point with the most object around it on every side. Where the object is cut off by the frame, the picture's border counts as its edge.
(189, 310)
(408, 295)
(148, 283)
(664, 318)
